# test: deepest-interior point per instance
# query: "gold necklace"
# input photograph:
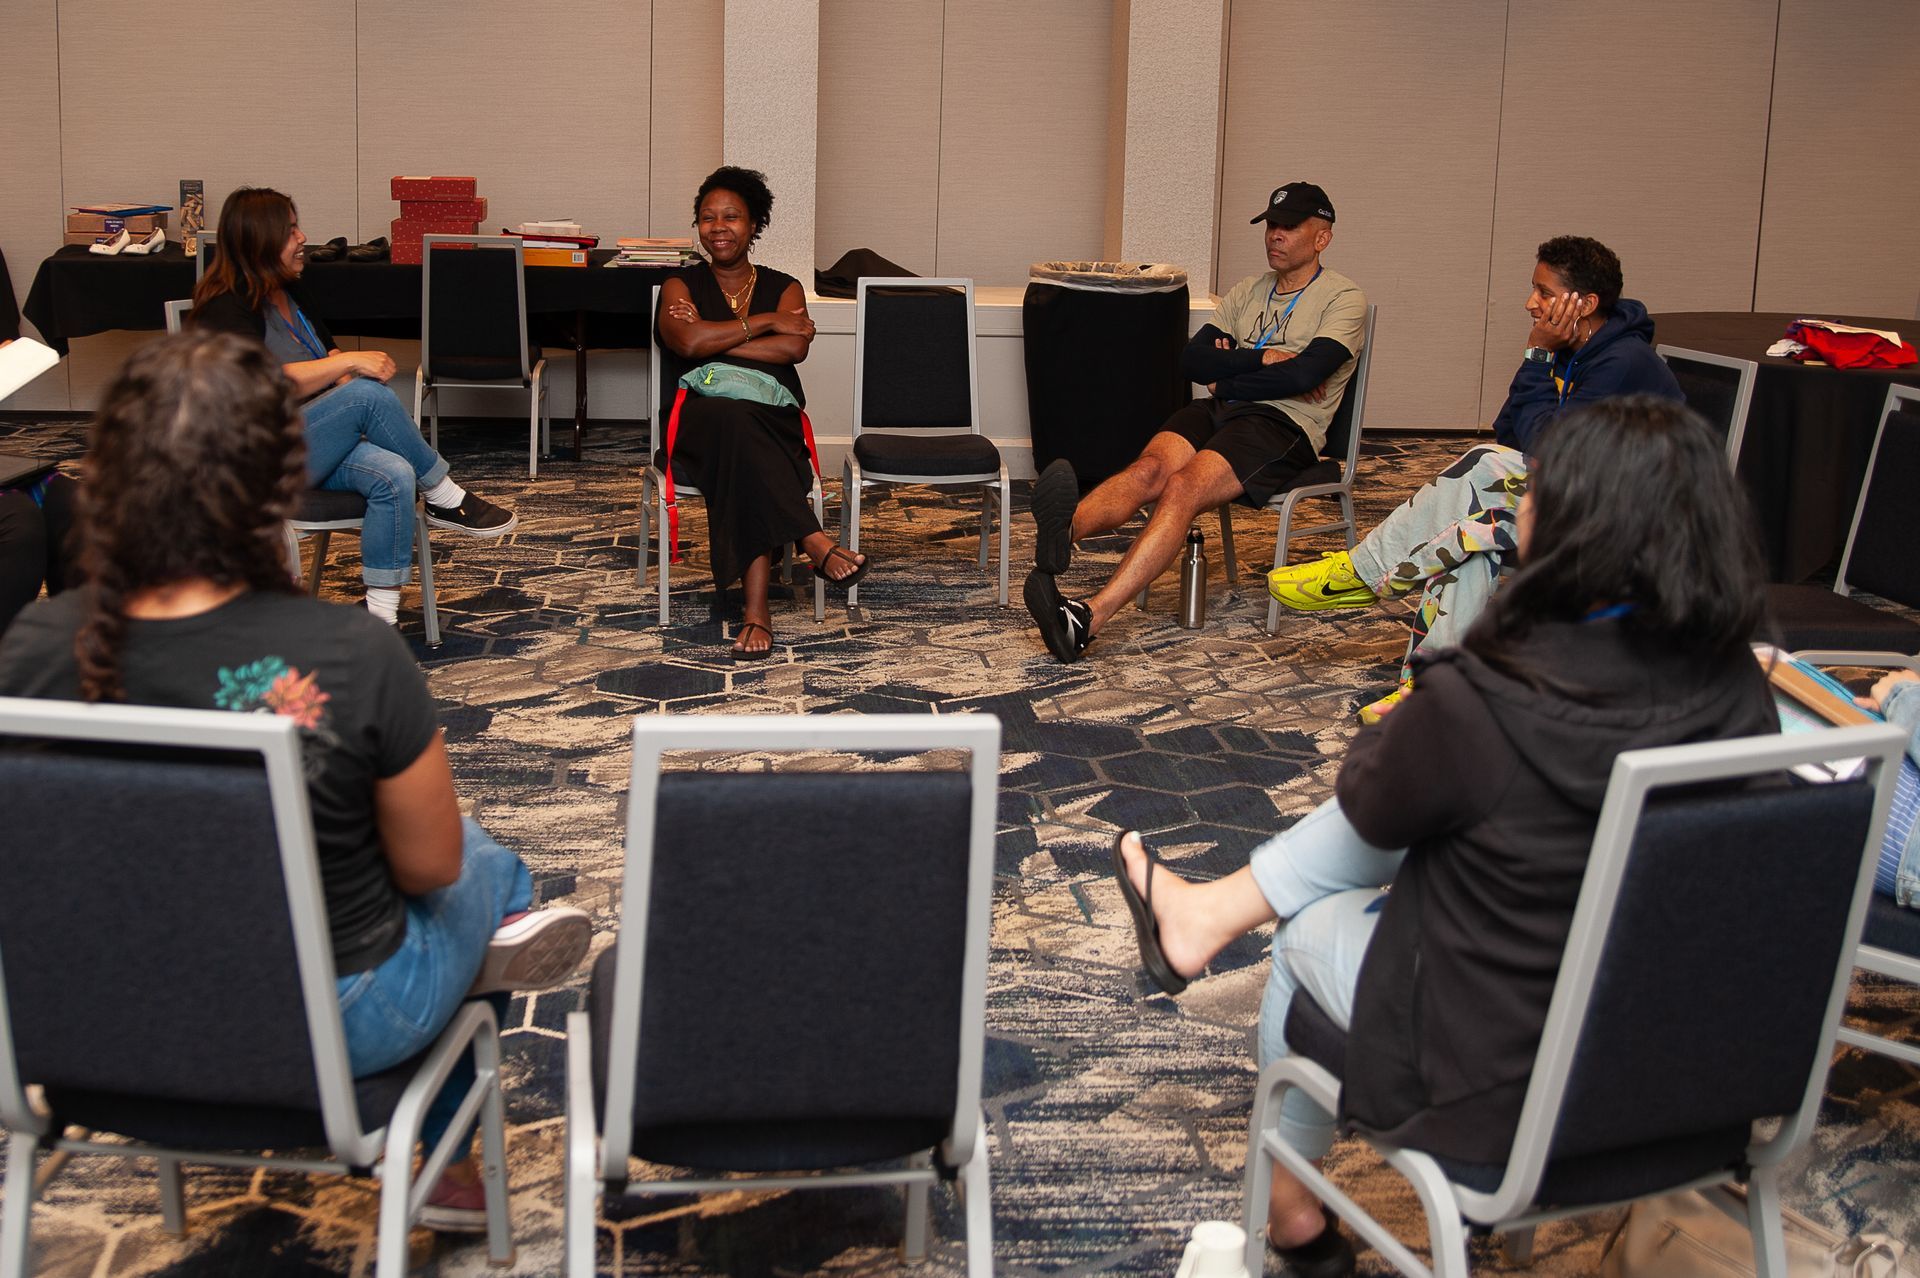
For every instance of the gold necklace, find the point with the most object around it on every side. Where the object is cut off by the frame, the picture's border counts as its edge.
(739, 300)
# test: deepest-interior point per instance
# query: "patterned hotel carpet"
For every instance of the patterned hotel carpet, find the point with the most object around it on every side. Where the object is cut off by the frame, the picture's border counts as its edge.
(1117, 1116)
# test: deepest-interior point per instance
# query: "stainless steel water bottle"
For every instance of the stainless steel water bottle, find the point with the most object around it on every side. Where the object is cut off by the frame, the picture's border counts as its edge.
(1193, 582)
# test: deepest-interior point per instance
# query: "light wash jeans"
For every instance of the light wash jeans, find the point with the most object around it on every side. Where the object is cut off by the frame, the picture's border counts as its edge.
(1326, 885)
(1451, 540)
(396, 1010)
(360, 440)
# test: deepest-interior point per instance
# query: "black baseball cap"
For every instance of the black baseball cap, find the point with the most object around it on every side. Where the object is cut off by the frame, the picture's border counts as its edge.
(1294, 203)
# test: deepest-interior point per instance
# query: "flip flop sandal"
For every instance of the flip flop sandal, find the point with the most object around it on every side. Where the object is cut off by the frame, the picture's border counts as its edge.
(331, 251)
(851, 579)
(1146, 932)
(371, 251)
(751, 654)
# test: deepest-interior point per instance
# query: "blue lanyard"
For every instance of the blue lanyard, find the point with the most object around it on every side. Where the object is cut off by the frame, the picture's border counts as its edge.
(1564, 387)
(304, 334)
(1280, 325)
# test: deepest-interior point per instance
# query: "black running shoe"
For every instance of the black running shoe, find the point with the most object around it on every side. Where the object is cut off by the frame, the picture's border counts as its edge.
(1066, 624)
(1056, 494)
(476, 517)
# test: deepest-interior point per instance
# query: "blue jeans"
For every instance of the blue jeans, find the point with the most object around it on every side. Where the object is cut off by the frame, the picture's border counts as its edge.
(1326, 885)
(396, 1010)
(360, 440)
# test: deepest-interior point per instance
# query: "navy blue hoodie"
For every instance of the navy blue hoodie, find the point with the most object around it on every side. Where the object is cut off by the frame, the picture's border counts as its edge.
(1617, 360)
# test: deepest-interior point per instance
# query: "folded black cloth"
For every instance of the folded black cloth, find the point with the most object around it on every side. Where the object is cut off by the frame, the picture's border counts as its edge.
(842, 279)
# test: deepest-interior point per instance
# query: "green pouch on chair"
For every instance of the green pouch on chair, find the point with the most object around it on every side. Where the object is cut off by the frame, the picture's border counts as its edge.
(730, 381)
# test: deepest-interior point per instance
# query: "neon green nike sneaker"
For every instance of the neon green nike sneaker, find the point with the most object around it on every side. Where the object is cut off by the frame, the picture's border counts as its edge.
(1374, 711)
(1328, 582)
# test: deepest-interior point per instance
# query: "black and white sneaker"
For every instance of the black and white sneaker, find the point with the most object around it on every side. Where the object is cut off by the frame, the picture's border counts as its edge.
(1056, 495)
(1066, 624)
(476, 517)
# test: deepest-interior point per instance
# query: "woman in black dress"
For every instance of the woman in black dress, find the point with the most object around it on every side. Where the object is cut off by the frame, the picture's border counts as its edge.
(750, 461)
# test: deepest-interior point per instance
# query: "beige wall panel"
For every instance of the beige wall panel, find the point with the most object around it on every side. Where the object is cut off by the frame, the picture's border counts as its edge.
(1394, 109)
(30, 195)
(879, 130)
(1023, 135)
(551, 117)
(688, 57)
(261, 97)
(1842, 207)
(1643, 124)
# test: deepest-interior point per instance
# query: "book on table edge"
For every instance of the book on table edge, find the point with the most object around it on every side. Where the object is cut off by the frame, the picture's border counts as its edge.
(122, 210)
(531, 239)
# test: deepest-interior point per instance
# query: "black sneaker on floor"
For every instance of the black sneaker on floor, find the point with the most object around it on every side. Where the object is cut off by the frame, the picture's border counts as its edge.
(1056, 494)
(1066, 624)
(476, 517)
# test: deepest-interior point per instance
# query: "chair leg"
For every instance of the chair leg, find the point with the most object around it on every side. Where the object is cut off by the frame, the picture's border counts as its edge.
(1517, 1245)
(493, 1151)
(663, 560)
(1763, 1221)
(1346, 513)
(1141, 600)
(1226, 546)
(819, 582)
(646, 511)
(429, 605)
(975, 1188)
(321, 540)
(173, 1199)
(293, 552)
(913, 1246)
(986, 526)
(16, 1212)
(533, 433)
(582, 1180)
(850, 486)
(1006, 530)
(390, 1239)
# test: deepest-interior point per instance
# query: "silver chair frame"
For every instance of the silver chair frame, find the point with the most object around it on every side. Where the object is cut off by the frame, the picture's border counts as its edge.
(532, 377)
(204, 241)
(653, 493)
(1896, 397)
(1874, 958)
(1509, 1209)
(176, 313)
(1748, 369)
(854, 480)
(353, 1148)
(595, 1157)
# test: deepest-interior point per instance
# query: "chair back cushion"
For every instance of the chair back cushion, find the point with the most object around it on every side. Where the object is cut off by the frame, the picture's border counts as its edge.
(473, 306)
(804, 949)
(146, 944)
(1711, 993)
(1883, 560)
(917, 370)
(1711, 390)
(1340, 429)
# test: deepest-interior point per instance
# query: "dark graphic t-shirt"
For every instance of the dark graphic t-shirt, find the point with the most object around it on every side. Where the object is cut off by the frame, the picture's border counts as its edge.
(362, 705)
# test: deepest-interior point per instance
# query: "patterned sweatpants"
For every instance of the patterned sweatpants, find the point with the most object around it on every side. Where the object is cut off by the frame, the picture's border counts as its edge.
(1452, 541)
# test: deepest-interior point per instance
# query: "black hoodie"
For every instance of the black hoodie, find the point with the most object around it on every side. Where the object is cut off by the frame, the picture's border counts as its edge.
(1619, 359)
(1495, 788)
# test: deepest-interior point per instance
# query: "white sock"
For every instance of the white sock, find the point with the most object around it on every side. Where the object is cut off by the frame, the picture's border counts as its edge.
(446, 494)
(384, 603)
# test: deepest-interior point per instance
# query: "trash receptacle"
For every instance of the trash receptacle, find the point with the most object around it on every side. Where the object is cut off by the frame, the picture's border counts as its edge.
(1103, 344)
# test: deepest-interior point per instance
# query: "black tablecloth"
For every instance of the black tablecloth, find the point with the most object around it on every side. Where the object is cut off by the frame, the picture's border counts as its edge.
(77, 294)
(1809, 430)
(9, 312)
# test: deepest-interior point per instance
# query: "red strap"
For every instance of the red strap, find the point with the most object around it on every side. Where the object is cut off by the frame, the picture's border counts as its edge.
(672, 529)
(806, 432)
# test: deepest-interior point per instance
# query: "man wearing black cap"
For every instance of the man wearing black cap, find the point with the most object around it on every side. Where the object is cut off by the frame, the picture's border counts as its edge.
(1276, 359)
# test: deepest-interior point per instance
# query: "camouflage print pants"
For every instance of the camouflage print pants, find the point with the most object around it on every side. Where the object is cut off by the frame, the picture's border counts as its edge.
(1452, 541)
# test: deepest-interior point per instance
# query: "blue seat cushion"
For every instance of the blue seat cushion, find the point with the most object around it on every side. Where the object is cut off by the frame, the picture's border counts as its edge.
(886, 453)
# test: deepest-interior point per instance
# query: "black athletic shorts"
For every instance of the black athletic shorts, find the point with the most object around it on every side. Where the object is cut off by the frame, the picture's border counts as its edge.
(1265, 448)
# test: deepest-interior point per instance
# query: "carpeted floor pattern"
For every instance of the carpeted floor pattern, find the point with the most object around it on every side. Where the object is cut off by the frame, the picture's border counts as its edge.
(1117, 1116)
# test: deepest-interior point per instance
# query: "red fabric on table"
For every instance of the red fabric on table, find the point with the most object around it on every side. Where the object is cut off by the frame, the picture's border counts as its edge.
(1851, 350)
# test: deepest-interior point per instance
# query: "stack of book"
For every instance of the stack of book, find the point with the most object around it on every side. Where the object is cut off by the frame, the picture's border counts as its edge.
(654, 251)
(433, 206)
(87, 223)
(558, 243)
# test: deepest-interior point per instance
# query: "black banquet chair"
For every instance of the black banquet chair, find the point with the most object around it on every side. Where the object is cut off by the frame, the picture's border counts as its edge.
(1718, 387)
(1879, 556)
(842, 1047)
(1699, 997)
(916, 404)
(166, 974)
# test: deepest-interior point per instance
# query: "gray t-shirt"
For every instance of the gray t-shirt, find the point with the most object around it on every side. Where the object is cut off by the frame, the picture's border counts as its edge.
(294, 343)
(1331, 305)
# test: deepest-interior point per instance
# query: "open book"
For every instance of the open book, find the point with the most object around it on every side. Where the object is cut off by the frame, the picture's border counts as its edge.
(1809, 700)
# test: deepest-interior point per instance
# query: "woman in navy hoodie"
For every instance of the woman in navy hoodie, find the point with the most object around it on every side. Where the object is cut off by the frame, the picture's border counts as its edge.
(1452, 539)
(1477, 800)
